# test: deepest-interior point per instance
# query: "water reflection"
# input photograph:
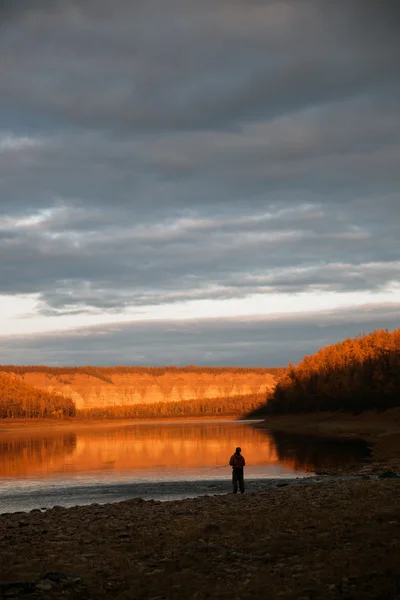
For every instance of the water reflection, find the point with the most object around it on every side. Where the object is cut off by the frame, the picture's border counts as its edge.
(158, 449)
(21, 454)
(314, 453)
(141, 447)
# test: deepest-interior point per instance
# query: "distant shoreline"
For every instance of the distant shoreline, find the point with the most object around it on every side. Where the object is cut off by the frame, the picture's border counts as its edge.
(9, 425)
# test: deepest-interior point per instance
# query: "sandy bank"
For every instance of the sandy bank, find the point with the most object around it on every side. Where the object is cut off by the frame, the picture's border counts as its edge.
(331, 539)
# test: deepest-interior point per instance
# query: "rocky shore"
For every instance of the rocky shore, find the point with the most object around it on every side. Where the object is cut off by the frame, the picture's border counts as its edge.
(328, 538)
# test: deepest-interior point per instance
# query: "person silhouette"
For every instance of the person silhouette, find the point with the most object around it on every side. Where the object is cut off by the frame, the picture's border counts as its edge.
(237, 463)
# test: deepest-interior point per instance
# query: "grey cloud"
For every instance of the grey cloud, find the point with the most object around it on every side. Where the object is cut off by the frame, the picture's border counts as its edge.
(79, 258)
(327, 155)
(294, 250)
(176, 65)
(241, 342)
(156, 152)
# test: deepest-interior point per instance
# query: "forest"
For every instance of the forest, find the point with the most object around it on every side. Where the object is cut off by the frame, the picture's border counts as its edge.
(357, 374)
(236, 406)
(105, 373)
(18, 400)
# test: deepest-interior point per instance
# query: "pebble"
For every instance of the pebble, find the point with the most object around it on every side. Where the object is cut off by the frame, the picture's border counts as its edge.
(44, 586)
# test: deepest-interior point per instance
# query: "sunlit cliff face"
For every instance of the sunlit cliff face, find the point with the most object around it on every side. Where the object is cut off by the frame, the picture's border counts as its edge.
(90, 392)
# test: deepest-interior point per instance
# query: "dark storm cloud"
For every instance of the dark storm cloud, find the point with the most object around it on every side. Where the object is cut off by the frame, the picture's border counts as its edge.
(329, 155)
(156, 152)
(181, 65)
(241, 342)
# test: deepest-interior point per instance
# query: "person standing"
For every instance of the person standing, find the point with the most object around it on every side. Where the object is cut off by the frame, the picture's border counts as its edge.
(237, 463)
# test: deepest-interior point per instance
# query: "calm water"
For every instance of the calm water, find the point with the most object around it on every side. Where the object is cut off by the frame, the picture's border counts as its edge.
(160, 460)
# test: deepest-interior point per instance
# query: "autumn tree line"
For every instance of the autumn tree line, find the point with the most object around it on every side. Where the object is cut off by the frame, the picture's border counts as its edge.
(18, 400)
(105, 373)
(357, 374)
(236, 406)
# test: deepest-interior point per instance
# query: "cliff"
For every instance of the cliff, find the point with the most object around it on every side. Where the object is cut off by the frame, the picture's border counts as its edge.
(90, 391)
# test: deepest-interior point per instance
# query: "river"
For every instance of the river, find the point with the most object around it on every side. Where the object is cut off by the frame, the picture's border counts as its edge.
(161, 460)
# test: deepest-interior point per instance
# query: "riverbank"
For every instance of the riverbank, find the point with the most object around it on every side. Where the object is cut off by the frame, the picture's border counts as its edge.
(324, 539)
(380, 429)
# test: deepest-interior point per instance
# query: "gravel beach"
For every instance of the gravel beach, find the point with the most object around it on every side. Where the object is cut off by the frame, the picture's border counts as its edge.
(326, 538)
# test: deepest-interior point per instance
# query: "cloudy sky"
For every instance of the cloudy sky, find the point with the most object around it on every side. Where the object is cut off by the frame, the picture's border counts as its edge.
(211, 182)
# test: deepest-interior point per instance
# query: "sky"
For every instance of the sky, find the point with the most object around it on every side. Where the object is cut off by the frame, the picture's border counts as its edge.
(185, 182)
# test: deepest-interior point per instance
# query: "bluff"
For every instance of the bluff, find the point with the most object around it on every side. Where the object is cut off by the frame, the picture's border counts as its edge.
(147, 386)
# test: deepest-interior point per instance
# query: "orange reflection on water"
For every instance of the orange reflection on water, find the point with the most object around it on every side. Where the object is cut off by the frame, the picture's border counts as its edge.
(22, 454)
(126, 448)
